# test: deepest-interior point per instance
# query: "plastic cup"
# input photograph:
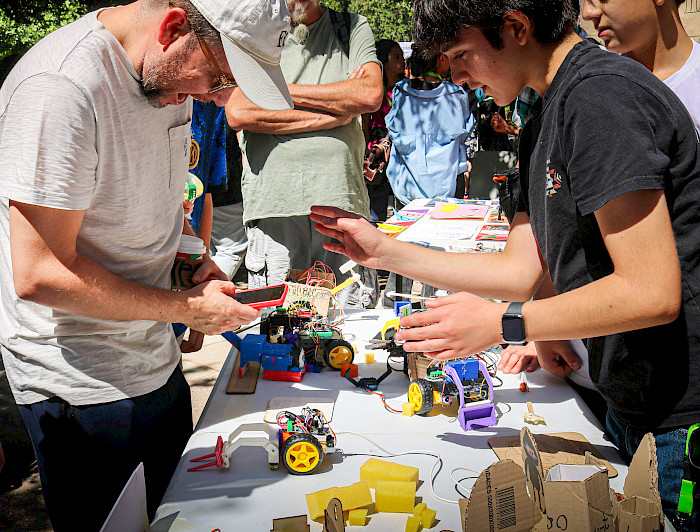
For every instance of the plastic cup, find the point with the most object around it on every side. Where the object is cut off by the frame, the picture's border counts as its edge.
(189, 257)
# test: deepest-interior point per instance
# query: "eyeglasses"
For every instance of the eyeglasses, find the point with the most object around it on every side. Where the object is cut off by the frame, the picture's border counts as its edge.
(224, 82)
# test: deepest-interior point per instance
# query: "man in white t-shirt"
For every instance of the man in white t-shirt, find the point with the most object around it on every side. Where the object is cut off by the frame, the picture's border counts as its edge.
(94, 146)
(651, 33)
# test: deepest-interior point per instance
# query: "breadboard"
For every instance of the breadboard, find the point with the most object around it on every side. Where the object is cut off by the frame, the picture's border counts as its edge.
(248, 382)
(556, 448)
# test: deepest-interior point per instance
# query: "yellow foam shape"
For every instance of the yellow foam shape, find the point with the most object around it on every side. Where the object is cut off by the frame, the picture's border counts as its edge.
(427, 518)
(373, 470)
(413, 524)
(351, 497)
(418, 510)
(395, 496)
(357, 517)
(369, 358)
(409, 409)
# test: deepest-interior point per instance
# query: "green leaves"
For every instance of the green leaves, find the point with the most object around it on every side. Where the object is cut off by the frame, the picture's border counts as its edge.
(23, 23)
(389, 19)
(21, 29)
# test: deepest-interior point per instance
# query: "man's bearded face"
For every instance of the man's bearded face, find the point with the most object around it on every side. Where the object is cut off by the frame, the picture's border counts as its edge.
(298, 9)
(159, 74)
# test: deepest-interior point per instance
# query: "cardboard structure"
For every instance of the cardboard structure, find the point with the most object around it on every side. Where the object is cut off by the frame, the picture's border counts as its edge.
(578, 498)
(554, 448)
(499, 501)
(512, 497)
(639, 507)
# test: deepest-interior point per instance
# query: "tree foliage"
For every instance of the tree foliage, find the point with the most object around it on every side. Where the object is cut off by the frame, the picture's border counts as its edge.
(389, 19)
(23, 23)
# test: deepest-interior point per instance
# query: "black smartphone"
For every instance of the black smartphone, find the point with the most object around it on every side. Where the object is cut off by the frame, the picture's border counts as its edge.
(267, 296)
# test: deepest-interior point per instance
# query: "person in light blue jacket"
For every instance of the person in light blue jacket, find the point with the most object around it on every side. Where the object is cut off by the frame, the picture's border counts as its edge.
(429, 123)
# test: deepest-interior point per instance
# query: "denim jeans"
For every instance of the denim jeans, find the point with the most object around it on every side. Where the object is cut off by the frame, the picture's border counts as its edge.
(670, 451)
(86, 454)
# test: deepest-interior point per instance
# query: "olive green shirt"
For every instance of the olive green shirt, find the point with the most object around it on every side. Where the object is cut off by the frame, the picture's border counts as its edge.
(284, 175)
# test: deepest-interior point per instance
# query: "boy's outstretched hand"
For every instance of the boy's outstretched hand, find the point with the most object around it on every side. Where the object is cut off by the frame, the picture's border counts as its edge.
(359, 240)
(517, 358)
(455, 326)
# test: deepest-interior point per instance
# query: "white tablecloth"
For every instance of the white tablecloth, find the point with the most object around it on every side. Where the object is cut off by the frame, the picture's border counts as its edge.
(248, 496)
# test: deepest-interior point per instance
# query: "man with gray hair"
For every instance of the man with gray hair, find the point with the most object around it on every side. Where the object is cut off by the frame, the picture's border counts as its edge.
(94, 145)
(313, 153)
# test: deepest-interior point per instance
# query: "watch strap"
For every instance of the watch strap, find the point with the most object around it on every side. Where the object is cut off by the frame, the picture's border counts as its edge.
(515, 308)
(514, 313)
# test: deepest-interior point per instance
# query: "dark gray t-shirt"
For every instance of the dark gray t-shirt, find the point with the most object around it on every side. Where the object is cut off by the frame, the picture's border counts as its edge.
(607, 126)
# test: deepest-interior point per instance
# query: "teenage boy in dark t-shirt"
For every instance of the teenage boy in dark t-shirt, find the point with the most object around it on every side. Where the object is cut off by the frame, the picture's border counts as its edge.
(611, 170)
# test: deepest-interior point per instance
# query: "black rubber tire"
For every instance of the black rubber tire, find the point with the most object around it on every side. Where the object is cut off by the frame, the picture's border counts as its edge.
(426, 392)
(329, 358)
(301, 467)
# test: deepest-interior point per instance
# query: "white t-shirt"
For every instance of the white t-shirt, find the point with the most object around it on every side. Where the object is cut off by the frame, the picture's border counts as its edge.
(77, 133)
(686, 84)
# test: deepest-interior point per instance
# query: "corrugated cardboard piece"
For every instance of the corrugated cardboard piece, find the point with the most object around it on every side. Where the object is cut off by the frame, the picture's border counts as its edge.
(554, 448)
(578, 498)
(572, 497)
(532, 463)
(499, 501)
(639, 508)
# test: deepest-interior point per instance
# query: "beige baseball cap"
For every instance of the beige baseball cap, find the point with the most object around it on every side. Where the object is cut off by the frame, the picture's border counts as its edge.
(253, 34)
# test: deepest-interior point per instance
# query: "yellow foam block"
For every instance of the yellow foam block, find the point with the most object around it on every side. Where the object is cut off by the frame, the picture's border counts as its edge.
(373, 470)
(413, 524)
(418, 510)
(369, 358)
(395, 496)
(351, 497)
(409, 409)
(427, 518)
(357, 517)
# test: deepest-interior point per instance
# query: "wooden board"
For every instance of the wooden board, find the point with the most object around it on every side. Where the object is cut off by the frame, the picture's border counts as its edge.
(248, 382)
(290, 524)
(556, 448)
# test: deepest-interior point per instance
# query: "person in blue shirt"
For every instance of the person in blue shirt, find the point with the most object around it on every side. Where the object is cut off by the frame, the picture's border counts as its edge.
(429, 123)
(208, 163)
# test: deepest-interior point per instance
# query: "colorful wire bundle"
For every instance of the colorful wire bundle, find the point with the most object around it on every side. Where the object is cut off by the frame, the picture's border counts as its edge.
(381, 395)
(308, 420)
(311, 276)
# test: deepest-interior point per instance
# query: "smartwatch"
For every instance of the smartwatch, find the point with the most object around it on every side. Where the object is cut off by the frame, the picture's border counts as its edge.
(513, 326)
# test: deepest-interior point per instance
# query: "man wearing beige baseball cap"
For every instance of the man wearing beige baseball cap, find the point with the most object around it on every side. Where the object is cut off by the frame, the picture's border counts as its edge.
(94, 145)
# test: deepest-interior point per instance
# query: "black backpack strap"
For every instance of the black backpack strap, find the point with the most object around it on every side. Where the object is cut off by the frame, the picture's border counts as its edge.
(341, 27)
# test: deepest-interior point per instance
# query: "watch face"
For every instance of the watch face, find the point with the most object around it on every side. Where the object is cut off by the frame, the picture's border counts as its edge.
(513, 329)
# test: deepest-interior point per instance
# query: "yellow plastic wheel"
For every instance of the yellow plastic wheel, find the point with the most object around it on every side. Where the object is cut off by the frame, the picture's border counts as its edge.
(301, 454)
(420, 394)
(337, 353)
